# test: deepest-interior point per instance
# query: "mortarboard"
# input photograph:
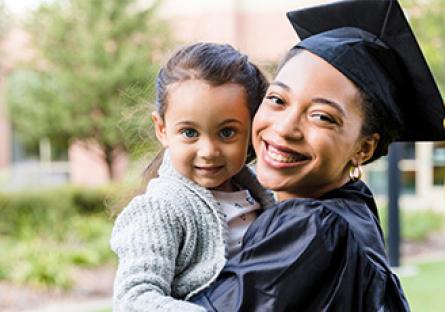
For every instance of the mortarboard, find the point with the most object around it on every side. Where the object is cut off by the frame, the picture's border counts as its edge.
(371, 43)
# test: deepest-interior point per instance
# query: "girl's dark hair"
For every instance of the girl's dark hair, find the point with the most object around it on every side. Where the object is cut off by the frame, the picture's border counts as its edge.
(217, 64)
(376, 119)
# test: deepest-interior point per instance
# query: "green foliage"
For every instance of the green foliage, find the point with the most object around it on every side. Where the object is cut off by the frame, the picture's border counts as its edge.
(95, 65)
(43, 211)
(416, 225)
(44, 234)
(24, 214)
(41, 266)
(426, 17)
(425, 289)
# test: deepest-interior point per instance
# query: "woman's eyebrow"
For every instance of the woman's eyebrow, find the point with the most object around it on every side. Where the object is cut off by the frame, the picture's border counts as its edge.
(280, 84)
(330, 103)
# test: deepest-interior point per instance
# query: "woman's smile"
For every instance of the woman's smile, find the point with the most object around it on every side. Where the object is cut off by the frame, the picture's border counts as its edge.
(279, 156)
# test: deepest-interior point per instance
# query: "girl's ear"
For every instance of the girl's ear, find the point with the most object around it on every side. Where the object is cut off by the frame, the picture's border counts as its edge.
(159, 128)
(366, 149)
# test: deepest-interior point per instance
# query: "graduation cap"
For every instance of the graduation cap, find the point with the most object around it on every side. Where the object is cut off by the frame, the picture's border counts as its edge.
(371, 43)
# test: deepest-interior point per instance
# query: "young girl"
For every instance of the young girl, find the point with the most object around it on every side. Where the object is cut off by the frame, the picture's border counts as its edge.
(174, 240)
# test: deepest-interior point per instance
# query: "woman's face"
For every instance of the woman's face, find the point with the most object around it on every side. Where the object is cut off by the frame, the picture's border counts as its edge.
(307, 131)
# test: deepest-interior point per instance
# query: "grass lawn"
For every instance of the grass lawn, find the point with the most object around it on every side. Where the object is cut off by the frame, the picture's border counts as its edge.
(426, 290)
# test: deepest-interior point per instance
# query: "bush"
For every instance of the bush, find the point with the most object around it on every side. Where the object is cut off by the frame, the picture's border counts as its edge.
(43, 234)
(46, 211)
(41, 265)
(87, 201)
(416, 225)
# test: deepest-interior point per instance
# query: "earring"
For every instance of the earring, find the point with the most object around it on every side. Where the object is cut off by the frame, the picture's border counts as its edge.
(355, 172)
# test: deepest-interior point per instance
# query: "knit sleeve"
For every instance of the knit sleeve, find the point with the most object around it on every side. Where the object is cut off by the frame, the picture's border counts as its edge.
(146, 238)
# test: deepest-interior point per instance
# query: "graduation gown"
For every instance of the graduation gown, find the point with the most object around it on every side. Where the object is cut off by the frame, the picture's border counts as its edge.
(323, 254)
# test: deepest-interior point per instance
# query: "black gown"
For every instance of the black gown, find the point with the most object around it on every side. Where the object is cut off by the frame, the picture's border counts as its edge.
(323, 254)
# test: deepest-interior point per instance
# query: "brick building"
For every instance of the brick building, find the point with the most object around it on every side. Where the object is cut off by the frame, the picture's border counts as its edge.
(259, 29)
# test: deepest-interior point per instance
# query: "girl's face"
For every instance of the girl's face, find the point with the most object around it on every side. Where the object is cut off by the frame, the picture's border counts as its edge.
(207, 131)
(306, 132)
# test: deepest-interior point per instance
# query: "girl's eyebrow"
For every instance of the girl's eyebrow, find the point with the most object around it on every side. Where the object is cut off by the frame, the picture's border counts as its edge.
(184, 123)
(193, 124)
(229, 121)
(330, 103)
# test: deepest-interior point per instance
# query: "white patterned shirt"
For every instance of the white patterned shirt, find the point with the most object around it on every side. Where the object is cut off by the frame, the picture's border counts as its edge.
(239, 210)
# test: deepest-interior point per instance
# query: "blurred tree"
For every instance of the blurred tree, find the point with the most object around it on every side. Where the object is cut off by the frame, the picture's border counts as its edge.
(427, 18)
(95, 64)
(4, 28)
(3, 19)
(4, 24)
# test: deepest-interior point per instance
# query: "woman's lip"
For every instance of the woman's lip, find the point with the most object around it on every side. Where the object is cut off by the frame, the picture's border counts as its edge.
(286, 151)
(278, 156)
(281, 148)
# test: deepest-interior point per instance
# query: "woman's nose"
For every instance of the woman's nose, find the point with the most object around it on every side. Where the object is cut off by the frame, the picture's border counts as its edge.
(208, 148)
(289, 125)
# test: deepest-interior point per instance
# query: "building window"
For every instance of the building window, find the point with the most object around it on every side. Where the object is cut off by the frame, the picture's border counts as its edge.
(376, 176)
(408, 182)
(408, 150)
(439, 163)
(39, 164)
(407, 168)
(377, 173)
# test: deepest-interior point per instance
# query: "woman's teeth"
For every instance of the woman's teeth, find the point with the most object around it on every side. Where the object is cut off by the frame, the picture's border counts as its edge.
(281, 156)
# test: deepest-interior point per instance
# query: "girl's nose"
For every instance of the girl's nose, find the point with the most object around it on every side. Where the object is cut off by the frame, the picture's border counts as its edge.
(208, 148)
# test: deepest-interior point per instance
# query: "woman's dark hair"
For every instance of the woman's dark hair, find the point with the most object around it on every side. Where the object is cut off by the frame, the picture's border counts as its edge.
(216, 64)
(376, 119)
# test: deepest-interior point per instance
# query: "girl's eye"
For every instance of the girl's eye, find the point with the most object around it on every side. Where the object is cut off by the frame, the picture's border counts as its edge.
(323, 117)
(189, 133)
(275, 99)
(226, 133)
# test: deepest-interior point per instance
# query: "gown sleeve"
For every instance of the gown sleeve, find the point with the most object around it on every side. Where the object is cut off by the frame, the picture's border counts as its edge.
(300, 257)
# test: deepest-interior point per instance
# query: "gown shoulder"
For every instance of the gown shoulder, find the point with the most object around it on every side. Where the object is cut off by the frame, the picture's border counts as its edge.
(310, 255)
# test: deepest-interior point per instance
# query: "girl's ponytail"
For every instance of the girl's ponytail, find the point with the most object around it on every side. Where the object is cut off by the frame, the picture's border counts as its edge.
(151, 171)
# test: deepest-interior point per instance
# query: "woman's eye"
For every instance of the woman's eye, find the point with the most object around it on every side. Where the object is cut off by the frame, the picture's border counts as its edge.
(226, 133)
(275, 99)
(189, 133)
(323, 117)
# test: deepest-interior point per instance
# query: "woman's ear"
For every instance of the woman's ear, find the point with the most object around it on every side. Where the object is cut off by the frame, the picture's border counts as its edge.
(366, 149)
(159, 128)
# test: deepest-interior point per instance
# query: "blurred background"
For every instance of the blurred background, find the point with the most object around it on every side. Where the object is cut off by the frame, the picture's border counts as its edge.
(76, 91)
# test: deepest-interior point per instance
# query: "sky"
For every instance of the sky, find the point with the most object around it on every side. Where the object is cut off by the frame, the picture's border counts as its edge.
(21, 6)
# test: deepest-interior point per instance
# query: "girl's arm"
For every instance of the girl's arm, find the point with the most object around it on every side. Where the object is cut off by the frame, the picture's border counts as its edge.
(146, 238)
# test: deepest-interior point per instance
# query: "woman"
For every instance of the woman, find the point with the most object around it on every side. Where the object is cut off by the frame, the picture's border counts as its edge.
(356, 82)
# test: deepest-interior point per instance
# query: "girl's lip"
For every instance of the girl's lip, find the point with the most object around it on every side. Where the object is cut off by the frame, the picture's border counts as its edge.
(279, 156)
(208, 169)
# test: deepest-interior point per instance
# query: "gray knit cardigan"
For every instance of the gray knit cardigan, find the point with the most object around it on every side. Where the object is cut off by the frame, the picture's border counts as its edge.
(170, 242)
